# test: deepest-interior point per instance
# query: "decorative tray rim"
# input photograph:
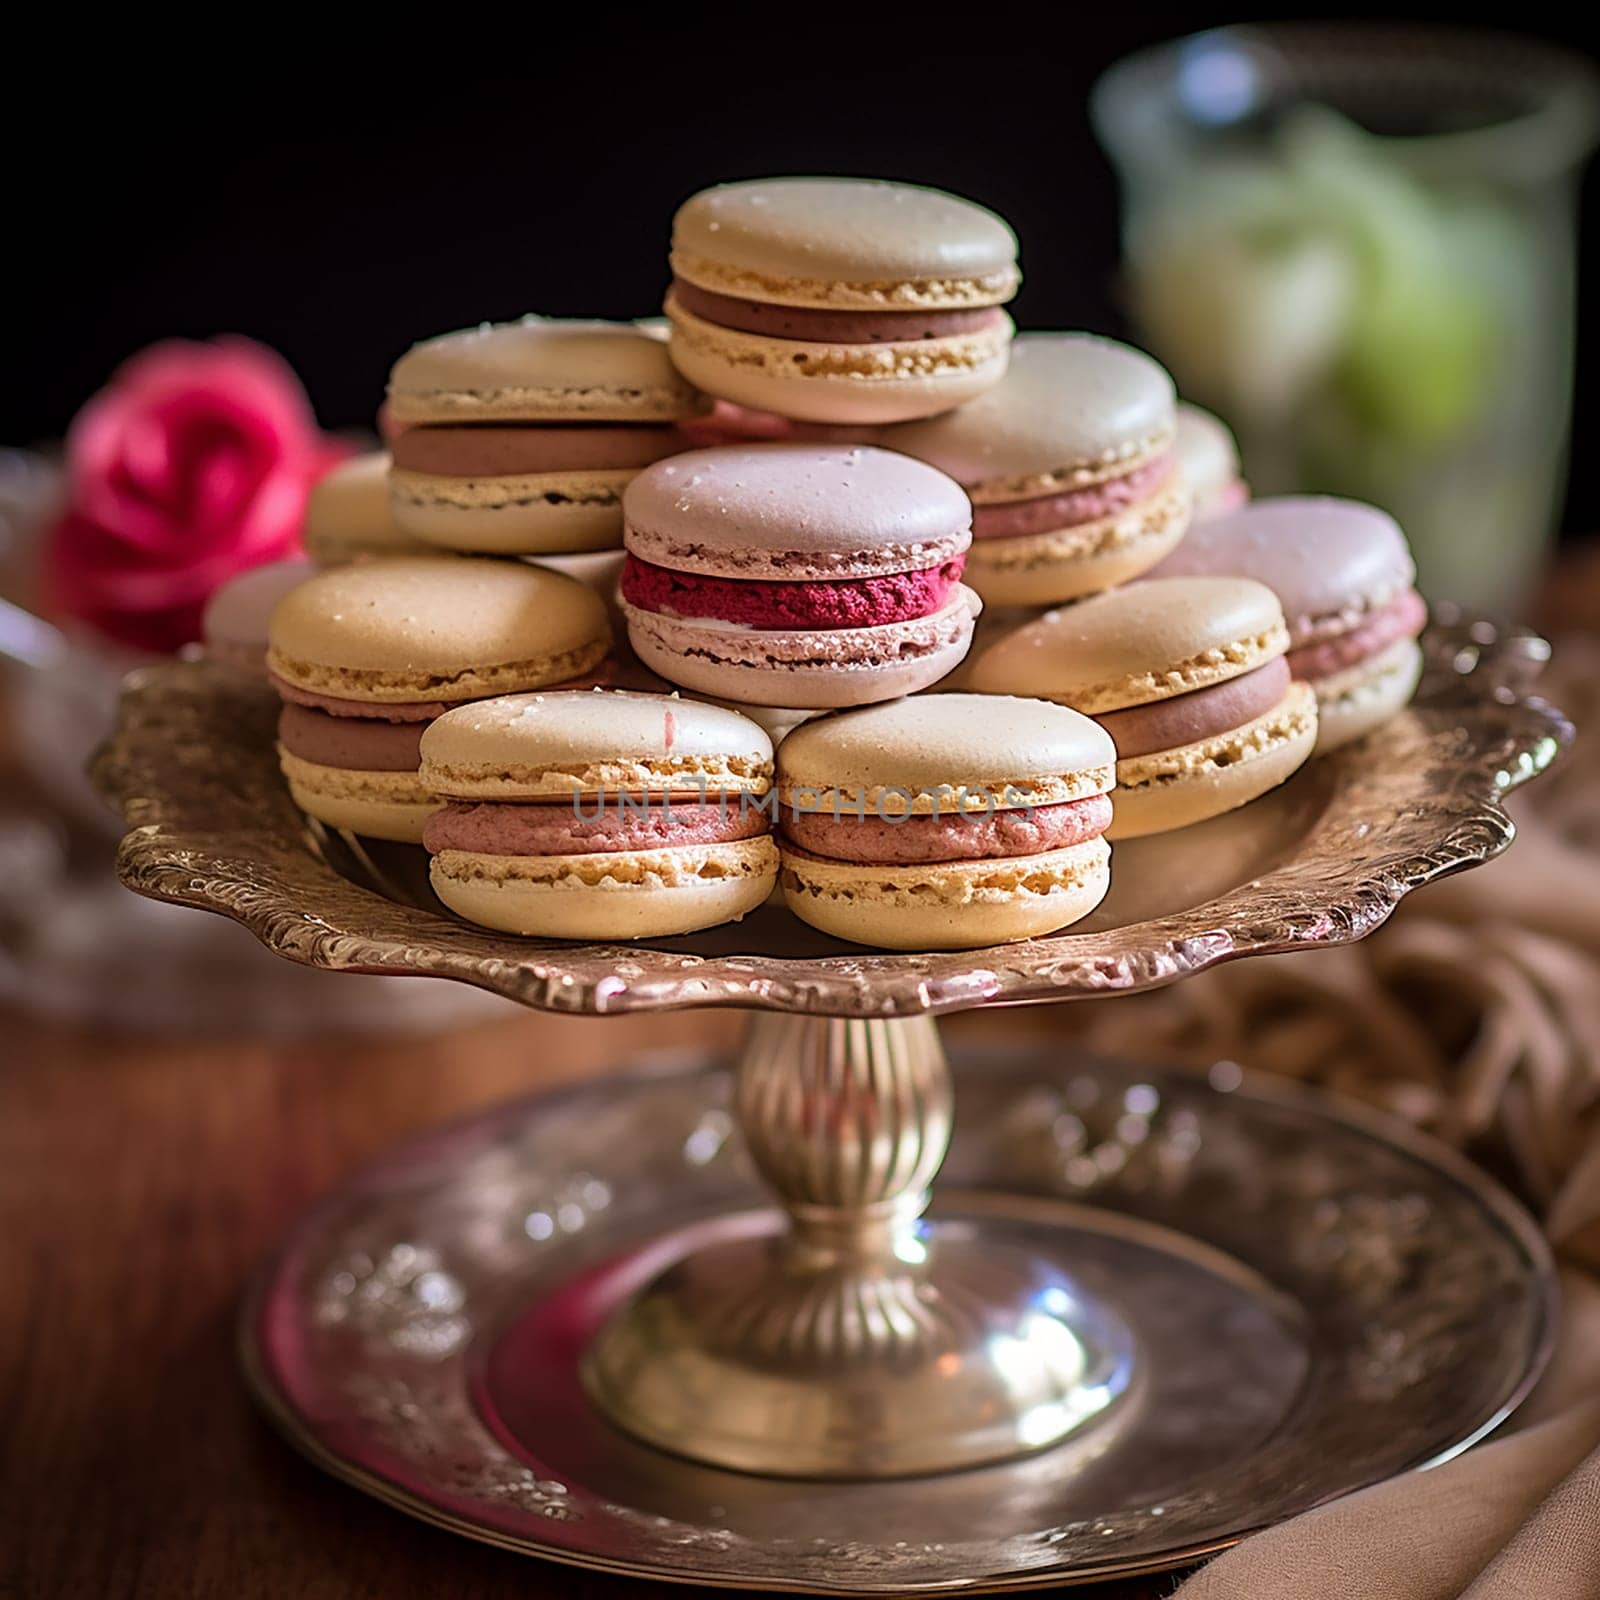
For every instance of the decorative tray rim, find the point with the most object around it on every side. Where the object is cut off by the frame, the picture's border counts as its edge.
(211, 826)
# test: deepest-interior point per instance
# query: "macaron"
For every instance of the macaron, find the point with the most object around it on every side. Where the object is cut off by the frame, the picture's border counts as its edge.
(518, 438)
(1069, 463)
(349, 517)
(947, 821)
(1344, 575)
(599, 570)
(366, 656)
(840, 300)
(777, 722)
(1208, 458)
(599, 814)
(1188, 677)
(797, 575)
(233, 625)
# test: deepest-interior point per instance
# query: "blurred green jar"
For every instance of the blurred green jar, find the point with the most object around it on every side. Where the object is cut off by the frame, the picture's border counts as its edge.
(1358, 245)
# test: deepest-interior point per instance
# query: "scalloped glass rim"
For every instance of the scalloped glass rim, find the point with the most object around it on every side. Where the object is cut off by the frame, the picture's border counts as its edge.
(192, 769)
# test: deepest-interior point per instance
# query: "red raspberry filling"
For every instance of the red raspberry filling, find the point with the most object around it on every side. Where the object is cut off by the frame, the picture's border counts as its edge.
(786, 607)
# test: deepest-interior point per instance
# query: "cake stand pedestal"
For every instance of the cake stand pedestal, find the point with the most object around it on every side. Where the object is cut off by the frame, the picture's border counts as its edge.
(1145, 1313)
(860, 1343)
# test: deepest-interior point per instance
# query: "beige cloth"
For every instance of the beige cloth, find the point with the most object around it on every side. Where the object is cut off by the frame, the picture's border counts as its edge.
(1517, 1518)
(1475, 1014)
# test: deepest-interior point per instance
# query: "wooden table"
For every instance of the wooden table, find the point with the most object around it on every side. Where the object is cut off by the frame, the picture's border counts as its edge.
(140, 1183)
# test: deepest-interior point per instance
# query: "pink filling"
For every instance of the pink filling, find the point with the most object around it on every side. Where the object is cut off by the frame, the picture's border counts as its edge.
(789, 607)
(727, 423)
(590, 825)
(1051, 512)
(1404, 617)
(1200, 714)
(357, 744)
(949, 837)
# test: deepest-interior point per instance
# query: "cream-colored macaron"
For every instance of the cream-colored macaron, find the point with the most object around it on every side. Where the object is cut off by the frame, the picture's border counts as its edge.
(840, 300)
(348, 515)
(365, 654)
(1208, 458)
(945, 821)
(599, 814)
(1068, 461)
(540, 369)
(1188, 677)
(518, 438)
(435, 629)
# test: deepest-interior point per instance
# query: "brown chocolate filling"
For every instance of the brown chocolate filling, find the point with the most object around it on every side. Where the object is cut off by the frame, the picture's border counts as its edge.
(821, 326)
(493, 450)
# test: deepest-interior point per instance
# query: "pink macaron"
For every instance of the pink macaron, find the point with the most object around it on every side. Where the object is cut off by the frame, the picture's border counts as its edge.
(792, 574)
(1344, 575)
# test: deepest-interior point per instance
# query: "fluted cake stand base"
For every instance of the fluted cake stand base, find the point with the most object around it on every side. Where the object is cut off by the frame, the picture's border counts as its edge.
(861, 1343)
(1316, 1299)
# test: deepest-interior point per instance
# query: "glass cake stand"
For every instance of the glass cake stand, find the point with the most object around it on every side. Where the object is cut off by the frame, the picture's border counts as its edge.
(1146, 1313)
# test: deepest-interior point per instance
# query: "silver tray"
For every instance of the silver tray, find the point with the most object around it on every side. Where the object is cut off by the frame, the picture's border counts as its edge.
(1322, 860)
(1324, 1299)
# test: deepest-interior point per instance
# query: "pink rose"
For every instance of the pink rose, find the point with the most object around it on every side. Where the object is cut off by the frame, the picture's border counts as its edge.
(190, 466)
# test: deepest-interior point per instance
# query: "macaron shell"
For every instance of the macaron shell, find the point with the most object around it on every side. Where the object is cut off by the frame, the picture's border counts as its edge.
(959, 905)
(550, 513)
(540, 369)
(234, 623)
(1173, 788)
(777, 722)
(839, 383)
(1072, 410)
(908, 756)
(348, 514)
(844, 242)
(597, 741)
(643, 894)
(1045, 569)
(1148, 641)
(597, 570)
(380, 805)
(1327, 560)
(1207, 454)
(434, 628)
(806, 670)
(792, 511)
(1355, 702)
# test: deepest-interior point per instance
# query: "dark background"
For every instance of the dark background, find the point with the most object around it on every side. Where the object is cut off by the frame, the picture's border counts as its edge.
(339, 206)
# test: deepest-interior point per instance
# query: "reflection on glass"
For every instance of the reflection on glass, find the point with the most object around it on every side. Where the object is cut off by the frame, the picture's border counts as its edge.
(1356, 245)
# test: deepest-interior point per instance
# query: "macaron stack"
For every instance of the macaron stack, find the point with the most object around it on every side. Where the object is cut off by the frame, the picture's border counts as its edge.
(1069, 463)
(945, 822)
(1188, 677)
(840, 300)
(599, 815)
(889, 461)
(366, 656)
(519, 438)
(1345, 577)
(797, 575)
